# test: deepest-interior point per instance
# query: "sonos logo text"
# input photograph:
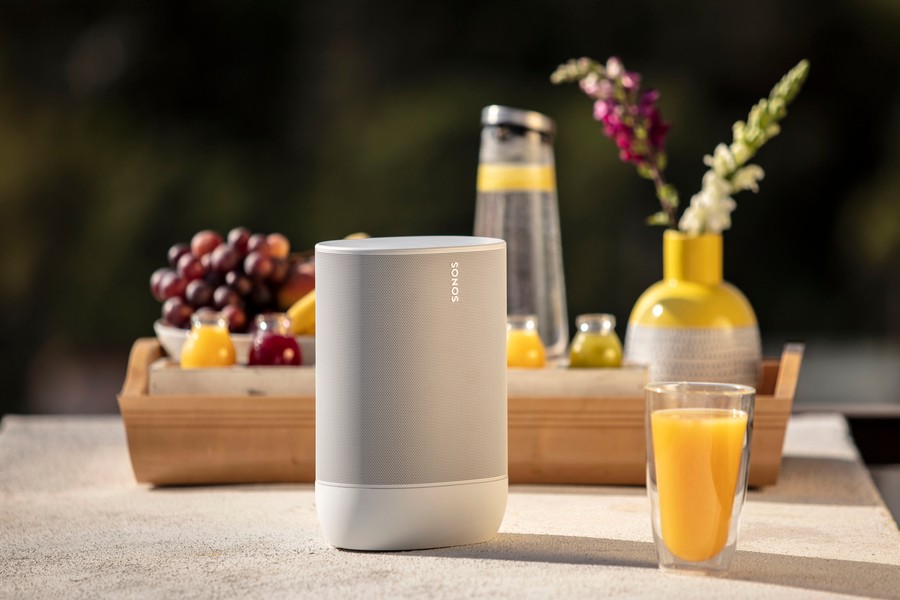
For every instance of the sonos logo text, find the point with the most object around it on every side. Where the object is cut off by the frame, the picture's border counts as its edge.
(454, 282)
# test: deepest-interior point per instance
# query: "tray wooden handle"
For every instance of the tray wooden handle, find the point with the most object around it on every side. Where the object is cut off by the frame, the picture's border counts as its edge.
(143, 353)
(789, 370)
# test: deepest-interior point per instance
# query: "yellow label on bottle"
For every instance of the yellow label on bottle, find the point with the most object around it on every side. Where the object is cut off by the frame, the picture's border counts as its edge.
(506, 177)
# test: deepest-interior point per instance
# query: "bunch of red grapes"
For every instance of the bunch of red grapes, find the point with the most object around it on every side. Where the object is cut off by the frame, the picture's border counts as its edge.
(238, 276)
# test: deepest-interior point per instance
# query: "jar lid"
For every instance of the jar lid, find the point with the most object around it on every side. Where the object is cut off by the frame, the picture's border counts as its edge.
(529, 119)
(599, 318)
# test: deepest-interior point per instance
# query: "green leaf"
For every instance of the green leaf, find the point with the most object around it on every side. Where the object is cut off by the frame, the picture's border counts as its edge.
(644, 170)
(660, 218)
(669, 195)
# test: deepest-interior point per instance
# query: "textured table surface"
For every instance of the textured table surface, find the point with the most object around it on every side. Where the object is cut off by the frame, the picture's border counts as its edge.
(74, 523)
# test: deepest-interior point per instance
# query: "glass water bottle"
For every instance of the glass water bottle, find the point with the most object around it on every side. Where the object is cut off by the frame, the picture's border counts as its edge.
(517, 202)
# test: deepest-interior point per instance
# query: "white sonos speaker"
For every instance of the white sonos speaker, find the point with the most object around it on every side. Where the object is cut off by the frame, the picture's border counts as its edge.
(411, 438)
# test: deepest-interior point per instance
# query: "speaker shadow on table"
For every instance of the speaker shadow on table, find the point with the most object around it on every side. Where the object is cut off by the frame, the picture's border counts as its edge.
(823, 574)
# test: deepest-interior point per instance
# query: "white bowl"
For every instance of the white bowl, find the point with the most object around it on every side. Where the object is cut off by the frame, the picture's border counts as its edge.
(172, 339)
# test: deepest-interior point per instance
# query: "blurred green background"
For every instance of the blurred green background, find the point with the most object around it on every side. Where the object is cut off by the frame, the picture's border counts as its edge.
(127, 126)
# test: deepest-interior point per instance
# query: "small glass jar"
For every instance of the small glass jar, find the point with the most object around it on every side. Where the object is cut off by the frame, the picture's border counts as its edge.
(524, 348)
(273, 343)
(208, 343)
(596, 344)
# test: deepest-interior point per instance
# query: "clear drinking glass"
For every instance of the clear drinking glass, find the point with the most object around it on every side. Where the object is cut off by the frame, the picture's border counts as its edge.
(517, 202)
(698, 455)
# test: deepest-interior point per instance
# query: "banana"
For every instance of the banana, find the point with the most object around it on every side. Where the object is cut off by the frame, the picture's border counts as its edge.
(303, 315)
(303, 311)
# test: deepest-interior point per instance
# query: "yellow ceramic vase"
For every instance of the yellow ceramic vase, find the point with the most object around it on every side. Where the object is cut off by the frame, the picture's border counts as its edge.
(692, 325)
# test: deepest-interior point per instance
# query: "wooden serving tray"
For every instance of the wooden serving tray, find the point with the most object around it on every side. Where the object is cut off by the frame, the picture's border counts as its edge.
(565, 426)
(601, 439)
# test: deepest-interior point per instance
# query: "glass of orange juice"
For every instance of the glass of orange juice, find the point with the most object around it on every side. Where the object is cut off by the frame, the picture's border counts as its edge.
(698, 454)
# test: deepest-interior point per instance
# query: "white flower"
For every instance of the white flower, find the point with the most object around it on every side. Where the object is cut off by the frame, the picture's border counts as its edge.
(715, 186)
(741, 152)
(718, 218)
(722, 161)
(747, 178)
(693, 218)
(710, 208)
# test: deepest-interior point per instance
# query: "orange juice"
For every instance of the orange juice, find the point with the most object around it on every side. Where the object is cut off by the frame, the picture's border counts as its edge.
(207, 345)
(524, 348)
(698, 455)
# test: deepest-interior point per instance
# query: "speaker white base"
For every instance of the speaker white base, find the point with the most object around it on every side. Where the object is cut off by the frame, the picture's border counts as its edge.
(411, 517)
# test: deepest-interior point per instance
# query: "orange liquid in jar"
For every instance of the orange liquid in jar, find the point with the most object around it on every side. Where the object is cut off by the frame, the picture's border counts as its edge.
(207, 346)
(698, 455)
(524, 348)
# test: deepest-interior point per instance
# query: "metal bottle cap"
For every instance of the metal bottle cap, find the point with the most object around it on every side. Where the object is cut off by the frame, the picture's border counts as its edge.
(529, 119)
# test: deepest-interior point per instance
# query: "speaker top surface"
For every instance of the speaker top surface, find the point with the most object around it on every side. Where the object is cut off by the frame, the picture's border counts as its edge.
(411, 245)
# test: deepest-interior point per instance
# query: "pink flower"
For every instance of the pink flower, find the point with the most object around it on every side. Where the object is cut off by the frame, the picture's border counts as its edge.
(627, 156)
(631, 81)
(649, 98)
(589, 85)
(657, 131)
(627, 113)
(623, 139)
(602, 108)
(629, 116)
(614, 67)
(605, 89)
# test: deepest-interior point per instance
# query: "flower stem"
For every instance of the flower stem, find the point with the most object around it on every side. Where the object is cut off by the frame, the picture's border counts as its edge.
(665, 192)
(667, 206)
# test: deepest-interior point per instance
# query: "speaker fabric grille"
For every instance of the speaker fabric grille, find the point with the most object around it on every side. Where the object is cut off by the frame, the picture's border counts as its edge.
(410, 386)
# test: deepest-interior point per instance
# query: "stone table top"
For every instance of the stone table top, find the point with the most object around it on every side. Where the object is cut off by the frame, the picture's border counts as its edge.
(73, 523)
